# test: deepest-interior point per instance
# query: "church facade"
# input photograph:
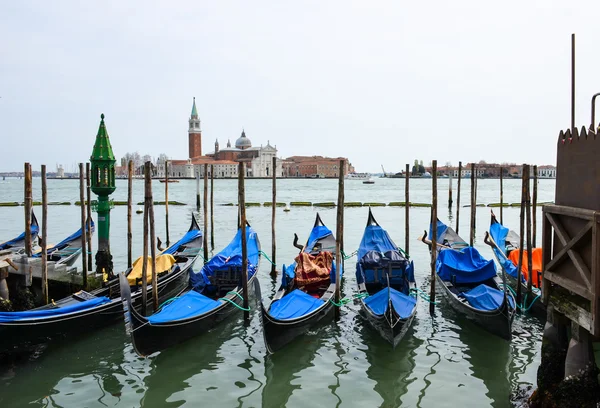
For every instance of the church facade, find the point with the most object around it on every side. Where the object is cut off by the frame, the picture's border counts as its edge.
(224, 162)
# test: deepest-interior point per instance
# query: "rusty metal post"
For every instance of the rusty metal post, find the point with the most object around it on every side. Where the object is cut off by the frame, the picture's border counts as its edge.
(433, 237)
(458, 196)
(44, 244)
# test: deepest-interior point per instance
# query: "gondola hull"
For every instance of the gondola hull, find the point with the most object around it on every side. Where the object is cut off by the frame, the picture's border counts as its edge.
(277, 333)
(149, 338)
(34, 331)
(391, 327)
(498, 322)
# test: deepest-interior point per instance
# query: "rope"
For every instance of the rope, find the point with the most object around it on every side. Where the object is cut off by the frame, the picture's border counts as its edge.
(166, 302)
(363, 295)
(342, 302)
(349, 256)
(522, 306)
(418, 292)
(268, 259)
(233, 303)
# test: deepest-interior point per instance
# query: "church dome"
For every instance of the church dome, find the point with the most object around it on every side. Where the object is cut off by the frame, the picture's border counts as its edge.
(243, 142)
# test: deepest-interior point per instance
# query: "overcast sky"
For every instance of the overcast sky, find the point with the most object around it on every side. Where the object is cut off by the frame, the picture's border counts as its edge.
(379, 82)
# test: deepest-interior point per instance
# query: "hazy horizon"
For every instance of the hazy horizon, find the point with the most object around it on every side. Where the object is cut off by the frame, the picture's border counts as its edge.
(382, 83)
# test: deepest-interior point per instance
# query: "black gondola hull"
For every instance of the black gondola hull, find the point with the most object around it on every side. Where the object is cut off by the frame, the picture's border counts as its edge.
(392, 328)
(498, 322)
(149, 338)
(277, 333)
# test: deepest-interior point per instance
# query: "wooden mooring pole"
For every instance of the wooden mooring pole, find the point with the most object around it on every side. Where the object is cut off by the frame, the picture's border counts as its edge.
(129, 205)
(534, 208)
(198, 190)
(242, 212)
(147, 181)
(44, 244)
(501, 196)
(212, 207)
(84, 265)
(205, 215)
(528, 225)
(406, 209)
(28, 202)
(450, 191)
(433, 236)
(473, 206)
(273, 212)
(458, 196)
(521, 232)
(152, 241)
(166, 201)
(339, 257)
(88, 232)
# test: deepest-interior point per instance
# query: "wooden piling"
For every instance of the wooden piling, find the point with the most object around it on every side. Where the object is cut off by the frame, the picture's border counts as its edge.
(501, 196)
(152, 243)
(534, 208)
(147, 181)
(242, 212)
(204, 234)
(212, 207)
(339, 258)
(433, 236)
(528, 226)
(406, 209)
(84, 265)
(458, 196)
(198, 191)
(521, 232)
(44, 244)
(473, 206)
(273, 212)
(129, 205)
(88, 232)
(166, 201)
(450, 192)
(28, 202)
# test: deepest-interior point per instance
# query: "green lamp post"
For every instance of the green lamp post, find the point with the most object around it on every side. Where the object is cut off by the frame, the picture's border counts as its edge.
(103, 184)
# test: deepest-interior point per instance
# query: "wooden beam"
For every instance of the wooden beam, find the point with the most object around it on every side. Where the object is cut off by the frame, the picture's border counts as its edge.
(563, 236)
(568, 284)
(546, 256)
(573, 312)
(596, 276)
(569, 211)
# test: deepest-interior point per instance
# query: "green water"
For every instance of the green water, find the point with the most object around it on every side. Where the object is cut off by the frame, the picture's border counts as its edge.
(444, 360)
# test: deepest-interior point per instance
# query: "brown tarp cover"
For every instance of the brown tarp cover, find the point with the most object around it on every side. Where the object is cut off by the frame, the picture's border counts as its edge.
(312, 269)
(163, 263)
(536, 263)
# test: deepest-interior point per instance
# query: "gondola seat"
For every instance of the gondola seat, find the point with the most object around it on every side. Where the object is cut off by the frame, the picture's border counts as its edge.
(295, 304)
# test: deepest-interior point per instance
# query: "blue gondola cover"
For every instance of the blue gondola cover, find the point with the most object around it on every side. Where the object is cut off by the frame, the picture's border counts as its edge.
(229, 257)
(189, 305)
(35, 229)
(186, 239)
(403, 304)
(6, 317)
(499, 233)
(466, 266)
(441, 230)
(483, 297)
(317, 233)
(73, 237)
(294, 304)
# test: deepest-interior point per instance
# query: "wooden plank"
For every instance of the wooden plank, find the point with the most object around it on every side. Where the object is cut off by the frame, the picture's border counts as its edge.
(569, 211)
(570, 244)
(563, 236)
(573, 312)
(568, 284)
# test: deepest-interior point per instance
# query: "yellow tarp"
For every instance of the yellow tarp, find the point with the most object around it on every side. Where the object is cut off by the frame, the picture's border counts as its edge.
(163, 263)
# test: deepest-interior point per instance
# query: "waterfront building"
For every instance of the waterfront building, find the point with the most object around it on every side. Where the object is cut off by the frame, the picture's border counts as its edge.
(314, 166)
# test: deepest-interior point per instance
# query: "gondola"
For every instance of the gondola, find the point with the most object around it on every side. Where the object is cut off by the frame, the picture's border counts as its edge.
(212, 294)
(84, 311)
(306, 292)
(18, 243)
(385, 279)
(505, 246)
(66, 251)
(471, 284)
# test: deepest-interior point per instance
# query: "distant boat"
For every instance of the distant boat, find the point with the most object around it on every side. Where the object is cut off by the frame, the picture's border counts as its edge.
(369, 181)
(287, 208)
(169, 181)
(139, 211)
(357, 176)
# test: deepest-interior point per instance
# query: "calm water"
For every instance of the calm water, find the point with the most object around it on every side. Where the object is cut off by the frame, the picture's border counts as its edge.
(442, 361)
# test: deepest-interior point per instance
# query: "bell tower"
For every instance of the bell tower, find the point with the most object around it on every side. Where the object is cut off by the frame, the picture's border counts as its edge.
(194, 133)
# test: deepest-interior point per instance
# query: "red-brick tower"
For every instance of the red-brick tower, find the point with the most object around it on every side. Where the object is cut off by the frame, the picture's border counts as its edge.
(194, 133)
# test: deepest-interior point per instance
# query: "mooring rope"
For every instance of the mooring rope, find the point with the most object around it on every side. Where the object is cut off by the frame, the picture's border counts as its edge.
(268, 259)
(235, 304)
(522, 306)
(348, 256)
(418, 292)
